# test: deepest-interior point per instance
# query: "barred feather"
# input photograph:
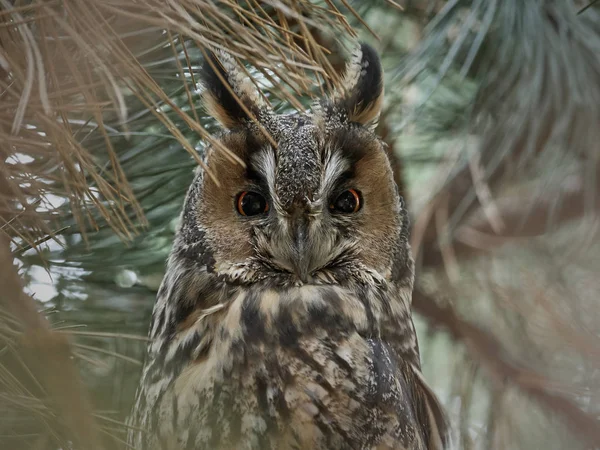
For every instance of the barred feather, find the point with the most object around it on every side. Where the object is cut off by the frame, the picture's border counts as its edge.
(291, 329)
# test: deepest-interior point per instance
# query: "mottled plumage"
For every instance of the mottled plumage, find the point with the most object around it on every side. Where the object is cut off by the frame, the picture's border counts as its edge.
(290, 328)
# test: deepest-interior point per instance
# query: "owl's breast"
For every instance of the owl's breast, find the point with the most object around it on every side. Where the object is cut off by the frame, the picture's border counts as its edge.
(319, 392)
(298, 371)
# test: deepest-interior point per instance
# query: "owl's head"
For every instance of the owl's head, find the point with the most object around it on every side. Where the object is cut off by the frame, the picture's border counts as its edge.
(302, 198)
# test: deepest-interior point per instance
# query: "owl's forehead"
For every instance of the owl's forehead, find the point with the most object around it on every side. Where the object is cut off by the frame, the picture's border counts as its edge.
(297, 164)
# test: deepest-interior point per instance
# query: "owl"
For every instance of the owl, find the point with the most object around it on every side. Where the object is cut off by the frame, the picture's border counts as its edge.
(284, 318)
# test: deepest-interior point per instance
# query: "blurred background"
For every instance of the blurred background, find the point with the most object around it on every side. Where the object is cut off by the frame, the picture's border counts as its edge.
(492, 112)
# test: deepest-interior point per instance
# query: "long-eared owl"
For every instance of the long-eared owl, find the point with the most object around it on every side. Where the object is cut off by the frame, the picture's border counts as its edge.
(284, 318)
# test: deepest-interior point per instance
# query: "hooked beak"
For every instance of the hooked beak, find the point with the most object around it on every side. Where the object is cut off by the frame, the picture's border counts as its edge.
(301, 251)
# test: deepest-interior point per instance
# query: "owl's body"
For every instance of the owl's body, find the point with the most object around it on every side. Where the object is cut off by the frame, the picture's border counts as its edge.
(284, 317)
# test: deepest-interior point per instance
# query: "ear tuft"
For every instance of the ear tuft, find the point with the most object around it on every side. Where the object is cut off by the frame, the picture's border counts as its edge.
(362, 95)
(229, 94)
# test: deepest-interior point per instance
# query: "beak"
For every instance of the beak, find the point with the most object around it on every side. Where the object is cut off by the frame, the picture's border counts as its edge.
(301, 251)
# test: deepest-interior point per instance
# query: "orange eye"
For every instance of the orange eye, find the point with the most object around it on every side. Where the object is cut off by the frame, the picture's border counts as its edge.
(347, 202)
(251, 204)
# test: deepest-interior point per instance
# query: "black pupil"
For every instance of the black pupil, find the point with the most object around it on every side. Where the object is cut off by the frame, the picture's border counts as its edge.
(345, 203)
(253, 204)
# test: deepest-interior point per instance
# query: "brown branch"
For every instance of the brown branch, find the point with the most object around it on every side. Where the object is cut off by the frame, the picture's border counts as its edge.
(522, 217)
(528, 217)
(48, 355)
(491, 355)
(458, 190)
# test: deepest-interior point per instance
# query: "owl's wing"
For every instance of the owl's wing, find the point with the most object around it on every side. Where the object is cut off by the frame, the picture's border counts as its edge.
(351, 393)
(429, 411)
(418, 420)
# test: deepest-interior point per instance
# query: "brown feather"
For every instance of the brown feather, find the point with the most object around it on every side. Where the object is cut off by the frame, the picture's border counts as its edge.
(291, 328)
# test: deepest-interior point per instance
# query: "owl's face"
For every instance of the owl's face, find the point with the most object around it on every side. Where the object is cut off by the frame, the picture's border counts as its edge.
(300, 198)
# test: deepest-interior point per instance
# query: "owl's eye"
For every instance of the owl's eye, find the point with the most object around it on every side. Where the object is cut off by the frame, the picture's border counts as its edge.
(347, 202)
(251, 204)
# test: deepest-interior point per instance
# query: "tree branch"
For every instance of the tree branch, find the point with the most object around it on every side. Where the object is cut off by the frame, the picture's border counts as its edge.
(48, 355)
(491, 355)
(521, 217)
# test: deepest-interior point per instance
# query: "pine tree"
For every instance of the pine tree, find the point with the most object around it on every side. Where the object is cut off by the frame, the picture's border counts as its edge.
(492, 114)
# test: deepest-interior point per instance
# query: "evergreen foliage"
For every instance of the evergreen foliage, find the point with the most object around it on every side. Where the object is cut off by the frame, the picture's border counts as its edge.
(492, 111)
